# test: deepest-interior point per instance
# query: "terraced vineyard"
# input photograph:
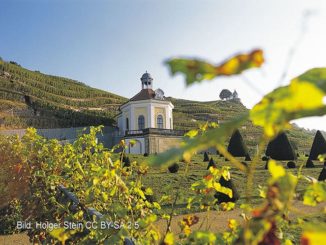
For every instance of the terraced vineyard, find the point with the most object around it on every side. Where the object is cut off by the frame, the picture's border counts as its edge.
(30, 98)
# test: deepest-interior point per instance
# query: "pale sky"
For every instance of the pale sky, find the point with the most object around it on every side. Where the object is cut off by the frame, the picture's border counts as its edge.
(110, 44)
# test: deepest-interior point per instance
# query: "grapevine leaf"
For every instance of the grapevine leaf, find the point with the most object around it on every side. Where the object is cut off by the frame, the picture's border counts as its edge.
(60, 234)
(169, 239)
(313, 237)
(315, 193)
(197, 70)
(275, 170)
(297, 100)
(199, 143)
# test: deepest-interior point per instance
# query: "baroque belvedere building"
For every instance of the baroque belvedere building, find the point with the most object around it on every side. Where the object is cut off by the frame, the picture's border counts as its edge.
(147, 119)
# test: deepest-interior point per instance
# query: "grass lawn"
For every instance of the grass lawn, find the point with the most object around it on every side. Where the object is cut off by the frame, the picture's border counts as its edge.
(162, 182)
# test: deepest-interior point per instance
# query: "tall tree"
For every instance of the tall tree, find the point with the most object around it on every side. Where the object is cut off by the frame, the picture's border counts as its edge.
(225, 94)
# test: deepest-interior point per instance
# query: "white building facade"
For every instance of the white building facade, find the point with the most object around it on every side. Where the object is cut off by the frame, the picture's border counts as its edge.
(148, 112)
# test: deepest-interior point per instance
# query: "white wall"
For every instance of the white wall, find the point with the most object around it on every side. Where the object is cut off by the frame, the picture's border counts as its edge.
(138, 147)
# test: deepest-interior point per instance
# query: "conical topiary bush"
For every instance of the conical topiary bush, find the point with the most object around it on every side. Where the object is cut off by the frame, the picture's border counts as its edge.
(237, 146)
(206, 157)
(322, 175)
(221, 197)
(280, 148)
(247, 158)
(318, 146)
(310, 163)
(211, 164)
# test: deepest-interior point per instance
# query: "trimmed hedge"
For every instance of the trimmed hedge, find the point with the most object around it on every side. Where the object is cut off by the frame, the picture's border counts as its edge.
(280, 148)
(318, 146)
(173, 168)
(237, 146)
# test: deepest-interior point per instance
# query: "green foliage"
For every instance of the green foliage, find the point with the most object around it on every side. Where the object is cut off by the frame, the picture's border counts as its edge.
(197, 70)
(9, 217)
(290, 102)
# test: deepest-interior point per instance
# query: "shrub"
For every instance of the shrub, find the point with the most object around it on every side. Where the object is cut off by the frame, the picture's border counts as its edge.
(318, 146)
(145, 154)
(264, 158)
(291, 164)
(9, 217)
(126, 162)
(310, 163)
(322, 175)
(174, 168)
(211, 164)
(280, 148)
(206, 157)
(237, 146)
(247, 158)
(221, 197)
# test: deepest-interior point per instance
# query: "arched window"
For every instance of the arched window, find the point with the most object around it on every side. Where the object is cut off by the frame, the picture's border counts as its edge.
(159, 120)
(127, 123)
(141, 122)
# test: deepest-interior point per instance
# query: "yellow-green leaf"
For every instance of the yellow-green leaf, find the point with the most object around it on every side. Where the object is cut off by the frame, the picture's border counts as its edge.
(275, 169)
(276, 109)
(197, 70)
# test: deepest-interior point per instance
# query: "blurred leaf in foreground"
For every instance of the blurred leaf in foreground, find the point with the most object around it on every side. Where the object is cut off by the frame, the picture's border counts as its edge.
(299, 99)
(197, 70)
(210, 138)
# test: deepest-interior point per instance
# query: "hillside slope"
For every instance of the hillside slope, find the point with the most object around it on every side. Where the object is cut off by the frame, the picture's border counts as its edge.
(188, 114)
(30, 98)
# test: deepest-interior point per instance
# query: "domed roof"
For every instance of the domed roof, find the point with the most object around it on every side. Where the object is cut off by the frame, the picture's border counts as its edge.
(146, 77)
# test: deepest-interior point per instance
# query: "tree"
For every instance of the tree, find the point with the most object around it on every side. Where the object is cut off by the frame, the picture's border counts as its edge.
(225, 94)
(280, 148)
(237, 146)
(318, 146)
